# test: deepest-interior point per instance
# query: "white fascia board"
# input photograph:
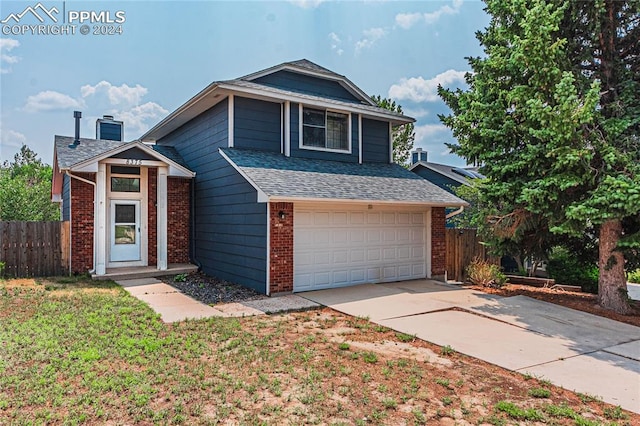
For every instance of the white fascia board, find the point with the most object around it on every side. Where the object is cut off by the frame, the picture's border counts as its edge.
(194, 100)
(263, 197)
(277, 199)
(324, 103)
(91, 165)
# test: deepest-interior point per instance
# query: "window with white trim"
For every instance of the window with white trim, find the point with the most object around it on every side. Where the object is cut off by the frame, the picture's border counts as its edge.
(325, 129)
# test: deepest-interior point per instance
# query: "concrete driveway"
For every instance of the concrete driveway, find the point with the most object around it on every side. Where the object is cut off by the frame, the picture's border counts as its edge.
(573, 349)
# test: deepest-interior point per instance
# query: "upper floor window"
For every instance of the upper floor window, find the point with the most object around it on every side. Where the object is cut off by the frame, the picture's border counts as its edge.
(325, 129)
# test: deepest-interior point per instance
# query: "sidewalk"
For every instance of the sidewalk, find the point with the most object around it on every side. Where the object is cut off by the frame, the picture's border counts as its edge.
(174, 306)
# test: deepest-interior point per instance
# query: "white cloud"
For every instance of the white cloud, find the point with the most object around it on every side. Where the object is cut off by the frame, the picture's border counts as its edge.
(139, 118)
(50, 100)
(408, 20)
(417, 112)
(11, 138)
(307, 4)
(429, 130)
(123, 95)
(370, 37)
(6, 46)
(336, 43)
(417, 89)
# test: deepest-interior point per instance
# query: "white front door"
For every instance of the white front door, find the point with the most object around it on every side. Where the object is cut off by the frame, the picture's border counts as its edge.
(125, 231)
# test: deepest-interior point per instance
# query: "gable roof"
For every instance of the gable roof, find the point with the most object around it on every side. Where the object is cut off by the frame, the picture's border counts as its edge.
(93, 150)
(280, 178)
(446, 171)
(304, 66)
(245, 86)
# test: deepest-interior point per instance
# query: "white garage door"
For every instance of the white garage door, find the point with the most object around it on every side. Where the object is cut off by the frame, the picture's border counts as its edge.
(336, 248)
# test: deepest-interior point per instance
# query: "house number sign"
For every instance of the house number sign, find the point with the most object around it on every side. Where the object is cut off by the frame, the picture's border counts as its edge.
(132, 162)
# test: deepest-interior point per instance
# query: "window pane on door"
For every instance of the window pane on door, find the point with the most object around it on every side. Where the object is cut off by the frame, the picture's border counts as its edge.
(125, 213)
(125, 234)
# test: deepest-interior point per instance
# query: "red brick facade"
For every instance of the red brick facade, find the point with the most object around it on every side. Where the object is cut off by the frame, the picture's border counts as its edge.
(152, 223)
(178, 220)
(82, 224)
(438, 242)
(281, 243)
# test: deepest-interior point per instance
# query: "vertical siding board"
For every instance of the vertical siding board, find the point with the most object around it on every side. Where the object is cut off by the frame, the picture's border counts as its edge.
(375, 141)
(230, 226)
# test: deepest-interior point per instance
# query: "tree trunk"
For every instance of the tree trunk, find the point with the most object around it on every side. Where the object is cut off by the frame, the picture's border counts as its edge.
(612, 282)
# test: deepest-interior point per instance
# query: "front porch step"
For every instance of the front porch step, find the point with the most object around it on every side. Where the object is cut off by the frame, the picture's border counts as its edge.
(145, 272)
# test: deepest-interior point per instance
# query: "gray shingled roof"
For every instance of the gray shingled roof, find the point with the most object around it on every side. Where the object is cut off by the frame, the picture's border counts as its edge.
(279, 176)
(90, 148)
(446, 171)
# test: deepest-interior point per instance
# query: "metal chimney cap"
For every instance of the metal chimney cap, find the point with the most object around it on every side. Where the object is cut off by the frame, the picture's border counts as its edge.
(107, 117)
(77, 114)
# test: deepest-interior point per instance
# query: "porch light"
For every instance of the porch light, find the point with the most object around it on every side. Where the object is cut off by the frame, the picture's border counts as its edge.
(282, 215)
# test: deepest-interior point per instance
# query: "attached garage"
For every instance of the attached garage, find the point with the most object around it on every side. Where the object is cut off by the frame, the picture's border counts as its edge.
(361, 244)
(334, 224)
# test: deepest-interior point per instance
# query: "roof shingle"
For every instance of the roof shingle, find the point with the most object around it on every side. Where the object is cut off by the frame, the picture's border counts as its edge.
(279, 176)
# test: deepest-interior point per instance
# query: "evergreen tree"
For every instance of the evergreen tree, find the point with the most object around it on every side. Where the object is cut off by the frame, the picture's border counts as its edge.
(551, 115)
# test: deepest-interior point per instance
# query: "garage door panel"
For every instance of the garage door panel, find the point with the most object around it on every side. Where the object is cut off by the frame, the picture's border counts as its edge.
(339, 248)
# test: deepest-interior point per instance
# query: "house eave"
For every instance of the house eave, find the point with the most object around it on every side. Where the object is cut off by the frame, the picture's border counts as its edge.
(276, 198)
(91, 165)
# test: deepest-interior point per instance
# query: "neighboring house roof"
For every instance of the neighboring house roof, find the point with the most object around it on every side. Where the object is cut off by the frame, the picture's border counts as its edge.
(219, 90)
(454, 173)
(95, 149)
(277, 177)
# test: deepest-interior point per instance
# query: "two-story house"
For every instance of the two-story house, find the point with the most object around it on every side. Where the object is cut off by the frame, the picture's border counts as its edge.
(295, 188)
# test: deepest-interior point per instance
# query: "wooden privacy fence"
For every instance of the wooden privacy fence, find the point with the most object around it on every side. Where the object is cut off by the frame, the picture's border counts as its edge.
(34, 249)
(463, 245)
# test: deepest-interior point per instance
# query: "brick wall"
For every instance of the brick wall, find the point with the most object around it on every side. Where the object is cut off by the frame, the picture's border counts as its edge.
(438, 242)
(281, 253)
(152, 223)
(178, 194)
(82, 224)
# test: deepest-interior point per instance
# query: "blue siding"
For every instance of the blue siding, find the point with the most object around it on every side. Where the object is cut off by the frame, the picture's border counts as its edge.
(66, 197)
(375, 141)
(257, 124)
(307, 84)
(231, 227)
(296, 151)
(437, 179)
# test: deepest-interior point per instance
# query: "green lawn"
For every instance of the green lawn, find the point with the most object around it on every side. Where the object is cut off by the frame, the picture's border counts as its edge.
(74, 351)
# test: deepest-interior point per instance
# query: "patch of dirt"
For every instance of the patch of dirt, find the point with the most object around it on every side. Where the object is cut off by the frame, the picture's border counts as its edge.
(585, 302)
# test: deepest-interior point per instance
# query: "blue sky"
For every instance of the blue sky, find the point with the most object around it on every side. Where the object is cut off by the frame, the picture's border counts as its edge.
(170, 50)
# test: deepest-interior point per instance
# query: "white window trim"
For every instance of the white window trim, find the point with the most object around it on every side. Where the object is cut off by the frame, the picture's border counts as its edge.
(317, 148)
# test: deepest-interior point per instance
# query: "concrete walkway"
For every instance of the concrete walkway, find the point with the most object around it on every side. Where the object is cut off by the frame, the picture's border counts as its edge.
(573, 349)
(173, 305)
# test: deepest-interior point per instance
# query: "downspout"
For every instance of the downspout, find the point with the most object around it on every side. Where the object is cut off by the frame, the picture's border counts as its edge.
(95, 196)
(455, 213)
(192, 213)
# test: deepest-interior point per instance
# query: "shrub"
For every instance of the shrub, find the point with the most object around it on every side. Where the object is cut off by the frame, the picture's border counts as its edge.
(567, 269)
(481, 272)
(632, 277)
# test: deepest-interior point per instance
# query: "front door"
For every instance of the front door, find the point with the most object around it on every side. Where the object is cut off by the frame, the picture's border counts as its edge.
(125, 231)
